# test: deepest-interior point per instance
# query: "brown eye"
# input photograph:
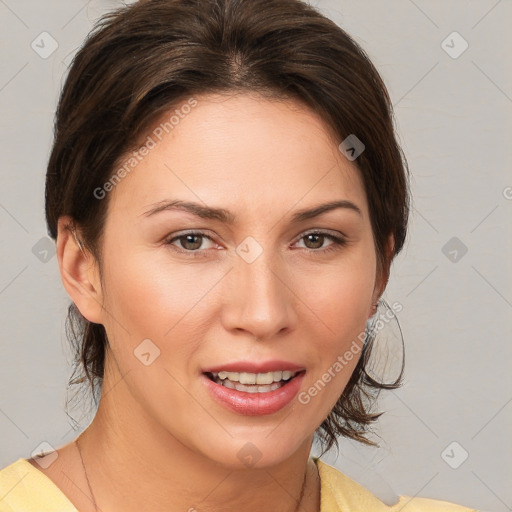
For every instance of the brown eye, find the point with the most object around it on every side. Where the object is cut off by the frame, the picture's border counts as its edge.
(316, 239)
(189, 243)
(314, 242)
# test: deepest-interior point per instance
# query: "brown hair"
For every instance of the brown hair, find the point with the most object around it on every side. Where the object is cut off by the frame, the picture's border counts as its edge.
(141, 60)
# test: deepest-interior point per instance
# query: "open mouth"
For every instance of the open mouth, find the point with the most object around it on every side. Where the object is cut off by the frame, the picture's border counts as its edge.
(253, 382)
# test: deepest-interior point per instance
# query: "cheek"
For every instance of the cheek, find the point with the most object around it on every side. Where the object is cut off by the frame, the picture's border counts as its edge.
(342, 297)
(342, 310)
(151, 295)
(143, 305)
(151, 299)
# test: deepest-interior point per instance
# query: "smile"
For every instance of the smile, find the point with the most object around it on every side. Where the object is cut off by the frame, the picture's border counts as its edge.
(252, 382)
(230, 390)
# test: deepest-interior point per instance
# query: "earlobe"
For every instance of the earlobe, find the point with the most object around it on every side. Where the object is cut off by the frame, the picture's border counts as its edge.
(78, 271)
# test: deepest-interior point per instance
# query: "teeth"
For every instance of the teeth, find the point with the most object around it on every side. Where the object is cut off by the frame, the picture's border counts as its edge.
(253, 382)
(248, 388)
(255, 378)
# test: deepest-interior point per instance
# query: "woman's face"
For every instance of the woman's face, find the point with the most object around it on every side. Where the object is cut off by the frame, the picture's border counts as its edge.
(247, 294)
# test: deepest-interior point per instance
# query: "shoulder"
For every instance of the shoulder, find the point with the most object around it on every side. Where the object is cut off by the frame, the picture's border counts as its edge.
(23, 488)
(340, 493)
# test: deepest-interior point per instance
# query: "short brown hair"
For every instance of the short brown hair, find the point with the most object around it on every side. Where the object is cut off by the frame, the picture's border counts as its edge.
(142, 59)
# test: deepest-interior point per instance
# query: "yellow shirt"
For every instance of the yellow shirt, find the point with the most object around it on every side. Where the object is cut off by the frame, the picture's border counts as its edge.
(23, 488)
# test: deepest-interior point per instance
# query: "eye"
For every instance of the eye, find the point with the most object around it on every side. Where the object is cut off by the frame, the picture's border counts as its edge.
(317, 238)
(190, 242)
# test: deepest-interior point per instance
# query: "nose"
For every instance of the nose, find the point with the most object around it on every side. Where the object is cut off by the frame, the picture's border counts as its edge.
(259, 298)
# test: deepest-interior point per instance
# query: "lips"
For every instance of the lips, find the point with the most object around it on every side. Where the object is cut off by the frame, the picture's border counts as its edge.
(254, 388)
(254, 367)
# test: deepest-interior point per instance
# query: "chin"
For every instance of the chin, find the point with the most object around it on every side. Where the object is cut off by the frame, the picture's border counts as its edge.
(254, 450)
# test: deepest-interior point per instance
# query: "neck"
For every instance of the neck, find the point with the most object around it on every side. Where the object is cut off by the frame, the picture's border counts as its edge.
(124, 449)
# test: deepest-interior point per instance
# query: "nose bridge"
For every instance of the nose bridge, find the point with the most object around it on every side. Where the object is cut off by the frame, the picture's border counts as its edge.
(263, 302)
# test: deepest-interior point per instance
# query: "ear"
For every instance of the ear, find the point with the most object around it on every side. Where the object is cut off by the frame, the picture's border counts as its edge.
(382, 274)
(79, 272)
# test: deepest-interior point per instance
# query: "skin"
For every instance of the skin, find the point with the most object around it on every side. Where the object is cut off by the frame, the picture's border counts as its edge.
(157, 432)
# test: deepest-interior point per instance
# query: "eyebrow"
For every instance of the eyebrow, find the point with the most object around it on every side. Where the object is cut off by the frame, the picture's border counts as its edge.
(225, 216)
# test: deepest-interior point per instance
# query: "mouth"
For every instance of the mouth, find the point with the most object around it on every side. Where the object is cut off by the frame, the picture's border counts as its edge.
(254, 388)
(254, 394)
(253, 382)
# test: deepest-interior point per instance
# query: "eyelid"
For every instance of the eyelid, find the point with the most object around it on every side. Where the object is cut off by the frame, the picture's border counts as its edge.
(204, 233)
(322, 231)
(338, 239)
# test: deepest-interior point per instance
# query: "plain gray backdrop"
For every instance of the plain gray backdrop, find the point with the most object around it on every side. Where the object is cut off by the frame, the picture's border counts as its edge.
(446, 433)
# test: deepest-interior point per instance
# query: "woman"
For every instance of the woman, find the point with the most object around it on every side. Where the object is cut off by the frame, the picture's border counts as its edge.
(227, 195)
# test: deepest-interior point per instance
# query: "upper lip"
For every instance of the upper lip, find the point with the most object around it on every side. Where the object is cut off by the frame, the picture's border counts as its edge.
(254, 367)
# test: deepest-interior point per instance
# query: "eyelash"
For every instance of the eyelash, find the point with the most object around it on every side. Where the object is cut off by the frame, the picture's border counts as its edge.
(338, 243)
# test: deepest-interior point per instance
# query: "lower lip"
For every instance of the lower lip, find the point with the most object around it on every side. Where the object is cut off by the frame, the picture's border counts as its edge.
(255, 404)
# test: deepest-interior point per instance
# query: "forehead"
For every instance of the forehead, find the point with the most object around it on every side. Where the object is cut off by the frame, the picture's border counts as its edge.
(240, 152)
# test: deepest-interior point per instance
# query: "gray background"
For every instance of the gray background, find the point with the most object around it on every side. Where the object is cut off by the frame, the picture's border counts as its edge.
(453, 116)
